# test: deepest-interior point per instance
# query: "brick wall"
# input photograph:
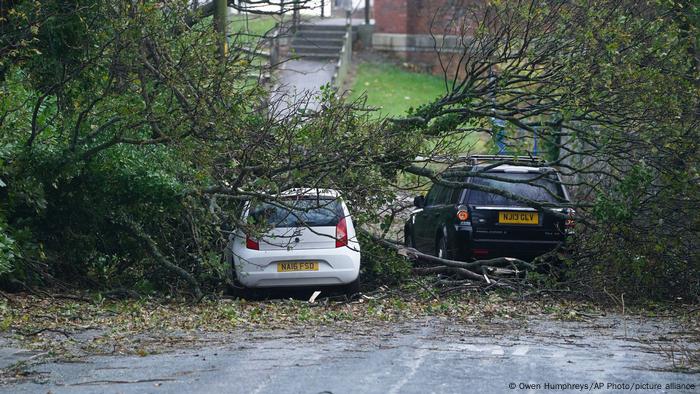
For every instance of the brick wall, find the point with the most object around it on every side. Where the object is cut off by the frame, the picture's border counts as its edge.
(391, 16)
(404, 27)
(416, 16)
(421, 15)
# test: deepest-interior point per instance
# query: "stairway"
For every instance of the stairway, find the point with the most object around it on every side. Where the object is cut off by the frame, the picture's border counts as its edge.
(318, 42)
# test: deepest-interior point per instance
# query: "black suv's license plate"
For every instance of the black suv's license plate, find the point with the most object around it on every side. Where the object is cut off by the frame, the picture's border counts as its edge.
(513, 217)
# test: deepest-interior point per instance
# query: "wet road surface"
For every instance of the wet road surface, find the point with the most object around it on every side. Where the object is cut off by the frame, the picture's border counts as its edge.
(422, 356)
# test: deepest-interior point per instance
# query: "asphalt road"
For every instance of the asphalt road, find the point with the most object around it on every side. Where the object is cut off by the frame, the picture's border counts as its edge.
(423, 356)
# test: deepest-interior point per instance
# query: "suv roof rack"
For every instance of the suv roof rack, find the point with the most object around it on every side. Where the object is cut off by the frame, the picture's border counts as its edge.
(478, 159)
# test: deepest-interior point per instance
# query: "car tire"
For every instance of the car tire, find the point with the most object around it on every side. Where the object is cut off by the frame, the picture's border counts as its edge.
(352, 288)
(233, 287)
(236, 290)
(408, 238)
(441, 249)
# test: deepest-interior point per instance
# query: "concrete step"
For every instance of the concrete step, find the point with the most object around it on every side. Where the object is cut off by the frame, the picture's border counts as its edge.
(322, 36)
(303, 49)
(319, 34)
(315, 56)
(328, 42)
(308, 26)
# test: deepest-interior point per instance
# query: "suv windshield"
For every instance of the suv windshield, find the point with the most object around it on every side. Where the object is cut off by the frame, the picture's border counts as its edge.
(302, 212)
(540, 188)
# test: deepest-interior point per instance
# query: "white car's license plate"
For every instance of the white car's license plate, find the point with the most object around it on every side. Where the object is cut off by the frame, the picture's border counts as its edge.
(292, 266)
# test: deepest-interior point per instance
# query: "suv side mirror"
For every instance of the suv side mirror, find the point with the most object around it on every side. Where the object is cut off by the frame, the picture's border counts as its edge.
(419, 201)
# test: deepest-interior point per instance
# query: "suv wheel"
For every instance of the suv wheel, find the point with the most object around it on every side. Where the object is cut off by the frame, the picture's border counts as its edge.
(408, 237)
(442, 248)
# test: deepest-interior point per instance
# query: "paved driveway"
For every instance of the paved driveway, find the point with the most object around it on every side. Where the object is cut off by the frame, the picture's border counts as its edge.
(300, 81)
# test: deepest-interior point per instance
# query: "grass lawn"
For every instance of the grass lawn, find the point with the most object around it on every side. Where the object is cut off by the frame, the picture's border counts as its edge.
(394, 90)
(249, 30)
(256, 24)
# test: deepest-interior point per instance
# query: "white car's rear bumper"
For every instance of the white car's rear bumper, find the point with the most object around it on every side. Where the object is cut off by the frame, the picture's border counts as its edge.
(256, 268)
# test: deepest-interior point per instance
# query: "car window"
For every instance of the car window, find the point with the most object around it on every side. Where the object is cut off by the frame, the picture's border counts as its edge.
(456, 196)
(445, 196)
(439, 195)
(299, 212)
(431, 198)
(540, 188)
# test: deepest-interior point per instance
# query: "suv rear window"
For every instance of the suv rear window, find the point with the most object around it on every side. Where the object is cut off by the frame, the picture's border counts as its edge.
(301, 212)
(540, 188)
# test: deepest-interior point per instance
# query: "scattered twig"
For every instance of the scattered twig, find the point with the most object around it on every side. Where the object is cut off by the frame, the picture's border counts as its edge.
(121, 293)
(624, 318)
(461, 272)
(312, 299)
(428, 289)
(98, 382)
(71, 297)
(45, 329)
(6, 296)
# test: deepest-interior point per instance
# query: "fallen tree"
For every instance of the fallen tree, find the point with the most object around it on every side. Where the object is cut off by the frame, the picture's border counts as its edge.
(105, 113)
(120, 118)
(496, 272)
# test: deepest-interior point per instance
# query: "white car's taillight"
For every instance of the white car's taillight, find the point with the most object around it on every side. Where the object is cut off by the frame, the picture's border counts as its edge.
(341, 233)
(251, 243)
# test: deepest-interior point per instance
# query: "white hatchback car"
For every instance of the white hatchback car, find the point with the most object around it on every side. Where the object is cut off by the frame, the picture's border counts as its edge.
(311, 241)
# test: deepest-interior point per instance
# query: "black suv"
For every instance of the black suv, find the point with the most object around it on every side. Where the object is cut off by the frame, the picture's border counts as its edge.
(465, 223)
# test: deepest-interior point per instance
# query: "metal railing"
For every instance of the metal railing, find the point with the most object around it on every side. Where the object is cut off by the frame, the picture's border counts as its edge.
(478, 159)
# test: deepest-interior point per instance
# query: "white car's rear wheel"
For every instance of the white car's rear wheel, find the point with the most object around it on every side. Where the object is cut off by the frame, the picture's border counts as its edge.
(352, 288)
(234, 288)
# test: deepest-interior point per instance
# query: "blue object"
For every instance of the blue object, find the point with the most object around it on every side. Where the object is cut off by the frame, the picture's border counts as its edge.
(500, 124)
(534, 142)
(500, 127)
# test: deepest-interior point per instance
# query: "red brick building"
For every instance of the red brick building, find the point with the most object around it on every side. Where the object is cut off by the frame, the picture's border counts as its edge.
(414, 29)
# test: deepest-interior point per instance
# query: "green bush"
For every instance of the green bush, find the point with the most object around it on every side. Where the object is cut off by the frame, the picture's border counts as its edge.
(8, 251)
(381, 265)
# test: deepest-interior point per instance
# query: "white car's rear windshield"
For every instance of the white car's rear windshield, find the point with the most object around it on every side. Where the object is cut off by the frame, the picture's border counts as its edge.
(298, 212)
(538, 188)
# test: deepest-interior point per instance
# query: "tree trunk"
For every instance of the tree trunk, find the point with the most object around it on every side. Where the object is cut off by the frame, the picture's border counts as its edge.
(220, 25)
